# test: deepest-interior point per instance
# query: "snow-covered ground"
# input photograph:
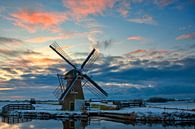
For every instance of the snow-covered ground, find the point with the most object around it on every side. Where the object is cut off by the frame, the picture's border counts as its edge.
(160, 110)
(174, 104)
(146, 110)
(47, 107)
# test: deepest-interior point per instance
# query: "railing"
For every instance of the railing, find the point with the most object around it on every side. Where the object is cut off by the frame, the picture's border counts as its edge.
(11, 107)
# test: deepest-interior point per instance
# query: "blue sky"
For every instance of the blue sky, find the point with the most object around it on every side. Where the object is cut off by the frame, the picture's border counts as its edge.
(146, 48)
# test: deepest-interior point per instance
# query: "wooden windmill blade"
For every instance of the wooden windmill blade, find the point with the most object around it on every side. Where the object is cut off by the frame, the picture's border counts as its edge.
(87, 59)
(96, 85)
(61, 88)
(62, 53)
(89, 86)
(89, 63)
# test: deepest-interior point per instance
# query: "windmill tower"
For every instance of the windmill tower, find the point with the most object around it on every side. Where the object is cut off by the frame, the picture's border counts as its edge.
(70, 95)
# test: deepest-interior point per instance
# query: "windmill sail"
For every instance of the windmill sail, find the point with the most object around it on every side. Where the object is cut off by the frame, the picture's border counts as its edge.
(96, 85)
(87, 59)
(90, 62)
(61, 53)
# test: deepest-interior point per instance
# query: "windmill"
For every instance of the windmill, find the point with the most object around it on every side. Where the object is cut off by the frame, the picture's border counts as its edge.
(70, 95)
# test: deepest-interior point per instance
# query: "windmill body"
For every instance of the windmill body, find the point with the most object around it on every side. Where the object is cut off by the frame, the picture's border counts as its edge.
(71, 95)
(75, 95)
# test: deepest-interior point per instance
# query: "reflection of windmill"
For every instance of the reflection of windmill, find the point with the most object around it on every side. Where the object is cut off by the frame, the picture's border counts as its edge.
(71, 96)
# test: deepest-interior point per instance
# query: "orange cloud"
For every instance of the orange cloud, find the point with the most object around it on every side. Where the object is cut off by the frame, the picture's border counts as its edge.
(30, 61)
(137, 38)
(81, 9)
(1, 88)
(32, 20)
(186, 36)
(44, 61)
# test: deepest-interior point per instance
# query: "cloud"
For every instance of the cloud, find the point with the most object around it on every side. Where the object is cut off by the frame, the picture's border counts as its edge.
(19, 62)
(60, 36)
(138, 79)
(2, 8)
(84, 8)
(15, 53)
(35, 20)
(16, 68)
(136, 38)
(163, 3)
(4, 88)
(152, 58)
(146, 19)
(100, 45)
(124, 9)
(17, 97)
(147, 77)
(138, 51)
(186, 36)
(137, 1)
(142, 77)
(47, 38)
(104, 44)
(7, 40)
(4, 125)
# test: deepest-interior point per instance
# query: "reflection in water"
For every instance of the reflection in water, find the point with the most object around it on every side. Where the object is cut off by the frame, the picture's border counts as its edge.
(75, 124)
(89, 123)
(14, 120)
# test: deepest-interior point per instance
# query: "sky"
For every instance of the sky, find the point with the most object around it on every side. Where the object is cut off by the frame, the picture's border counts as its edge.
(146, 47)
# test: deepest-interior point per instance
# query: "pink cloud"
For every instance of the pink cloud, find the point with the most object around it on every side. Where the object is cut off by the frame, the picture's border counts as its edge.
(124, 9)
(80, 9)
(124, 12)
(34, 20)
(137, 38)
(150, 52)
(138, 51)
(186, 36)
(16, 97)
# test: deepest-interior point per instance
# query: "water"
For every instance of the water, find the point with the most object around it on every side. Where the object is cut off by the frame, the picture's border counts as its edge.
(92, 123)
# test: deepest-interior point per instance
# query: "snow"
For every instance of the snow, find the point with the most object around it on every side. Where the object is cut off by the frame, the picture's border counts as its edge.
(47, 107)
(175, 109)
(104, 104)
(145, 110)
(174, 104)
(46, 111)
